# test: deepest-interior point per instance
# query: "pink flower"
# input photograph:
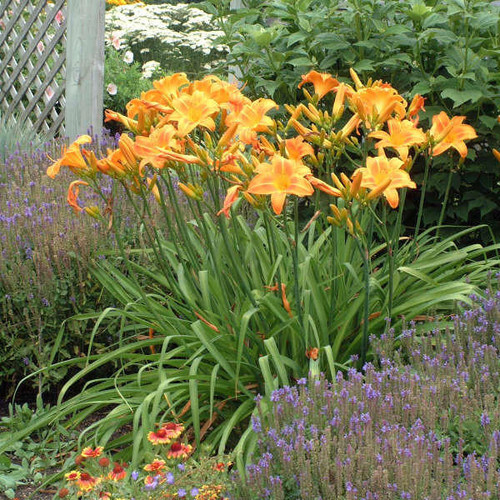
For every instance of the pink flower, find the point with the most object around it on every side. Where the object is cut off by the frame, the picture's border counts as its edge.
(59, 17)
(112, 89)
(40, 46)
(115, 41)
(49, 92)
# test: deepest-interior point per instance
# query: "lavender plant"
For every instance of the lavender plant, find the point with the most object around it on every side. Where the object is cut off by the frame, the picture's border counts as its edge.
(44, 268)
(420, 423)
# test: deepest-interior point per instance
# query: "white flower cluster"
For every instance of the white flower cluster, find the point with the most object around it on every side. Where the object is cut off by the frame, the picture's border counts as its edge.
(179, 32)
(149, 68)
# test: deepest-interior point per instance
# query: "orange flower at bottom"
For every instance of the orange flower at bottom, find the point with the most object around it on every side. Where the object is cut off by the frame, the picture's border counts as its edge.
(118, 473)
(166, 433)
(179, 450)
(280, 178)
(90, 452)
(382, 175)
(86, 482)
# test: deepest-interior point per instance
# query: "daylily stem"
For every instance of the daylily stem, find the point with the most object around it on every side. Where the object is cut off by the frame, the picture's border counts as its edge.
(445, 202)
(422, 196)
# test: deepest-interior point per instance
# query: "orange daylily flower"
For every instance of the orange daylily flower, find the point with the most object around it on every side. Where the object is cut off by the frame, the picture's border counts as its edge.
(71, 157)
(236, 102)
(416, 105)
(169, 87)
(193, 110)
(297, 148)
(280, 178)
(496, 154)
(448, 134)
(402, 135)
(383, 175)
(375, 105)
(147, 147)
(214, 88)
(232, 195)
(322, 82)
(72, 198)
(251, 119)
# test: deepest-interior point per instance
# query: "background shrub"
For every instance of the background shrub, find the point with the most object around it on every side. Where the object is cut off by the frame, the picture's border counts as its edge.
(447, 51)
(180, 37)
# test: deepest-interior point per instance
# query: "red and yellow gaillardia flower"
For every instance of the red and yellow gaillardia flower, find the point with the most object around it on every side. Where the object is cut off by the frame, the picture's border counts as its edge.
(166, 433)
(74, 475)
(155, 466)
(92, 452)
(118, 473)
(86, 482)
(179, 450)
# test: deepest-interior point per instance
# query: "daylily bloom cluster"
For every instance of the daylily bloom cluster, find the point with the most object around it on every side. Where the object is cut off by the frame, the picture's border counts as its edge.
(209, 129)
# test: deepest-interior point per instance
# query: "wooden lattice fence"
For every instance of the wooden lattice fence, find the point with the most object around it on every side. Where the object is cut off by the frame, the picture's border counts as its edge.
(33, 63)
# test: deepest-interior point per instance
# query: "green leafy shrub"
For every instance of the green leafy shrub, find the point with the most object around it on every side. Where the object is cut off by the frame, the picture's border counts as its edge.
(123, 79)
(448, 51)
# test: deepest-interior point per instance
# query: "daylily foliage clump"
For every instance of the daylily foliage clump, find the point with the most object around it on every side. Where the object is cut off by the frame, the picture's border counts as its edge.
(243, 302)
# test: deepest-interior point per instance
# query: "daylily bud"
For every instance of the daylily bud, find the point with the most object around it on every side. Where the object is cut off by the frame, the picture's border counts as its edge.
(227, 136)
(378, 190)
(208, 139)
(254, 202)
(355, 79)
(333, 221)
(301, 130)
(337, 182)
(356, 183)
(350, 227)
(336, 211)
(188, 190)
(345, 180)
(93, 212)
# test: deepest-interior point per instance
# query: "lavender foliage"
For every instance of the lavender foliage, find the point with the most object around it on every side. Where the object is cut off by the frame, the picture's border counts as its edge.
(46, 253)
(421, 422)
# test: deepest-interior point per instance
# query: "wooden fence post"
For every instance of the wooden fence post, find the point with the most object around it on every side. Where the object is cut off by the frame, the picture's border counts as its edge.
(234, 72)
(84, 66)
